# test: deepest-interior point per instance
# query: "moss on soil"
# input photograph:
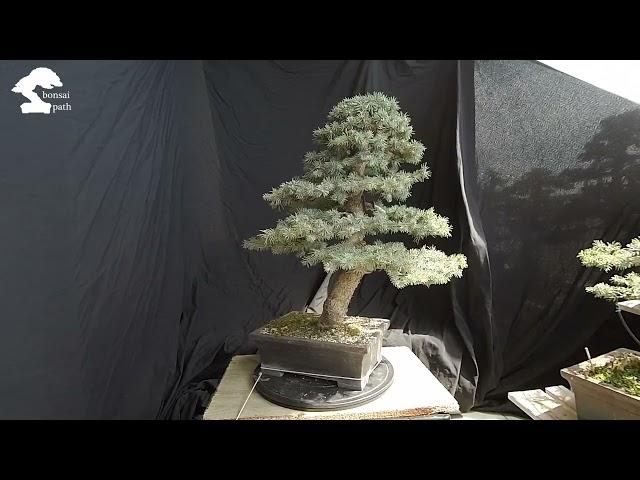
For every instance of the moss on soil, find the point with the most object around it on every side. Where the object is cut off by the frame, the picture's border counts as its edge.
(622, 373)
(354, 330)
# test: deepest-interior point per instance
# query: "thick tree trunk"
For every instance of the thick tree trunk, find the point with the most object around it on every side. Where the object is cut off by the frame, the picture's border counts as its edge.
(335, 306)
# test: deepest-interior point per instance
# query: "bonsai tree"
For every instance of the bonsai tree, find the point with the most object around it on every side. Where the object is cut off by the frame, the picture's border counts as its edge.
(352, 190)
(608, 256)
(622, 369)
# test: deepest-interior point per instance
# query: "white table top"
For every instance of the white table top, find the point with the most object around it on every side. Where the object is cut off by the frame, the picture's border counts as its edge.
(414, 392)
(631, 306)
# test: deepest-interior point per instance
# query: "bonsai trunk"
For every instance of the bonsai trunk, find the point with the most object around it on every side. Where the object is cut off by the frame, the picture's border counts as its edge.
(335, 306)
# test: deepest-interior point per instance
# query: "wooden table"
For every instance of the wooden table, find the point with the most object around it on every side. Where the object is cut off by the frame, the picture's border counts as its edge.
(554, 403)
(414, 393)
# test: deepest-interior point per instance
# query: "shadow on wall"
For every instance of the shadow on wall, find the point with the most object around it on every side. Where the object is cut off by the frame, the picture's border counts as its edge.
(541, 222)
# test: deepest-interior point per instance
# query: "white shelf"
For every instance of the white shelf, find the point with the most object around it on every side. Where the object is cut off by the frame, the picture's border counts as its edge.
(631, 306)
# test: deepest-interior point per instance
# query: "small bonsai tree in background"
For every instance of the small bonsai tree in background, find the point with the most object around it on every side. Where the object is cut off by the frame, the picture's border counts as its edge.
(609, 256)
(623, 370)
(352, 190)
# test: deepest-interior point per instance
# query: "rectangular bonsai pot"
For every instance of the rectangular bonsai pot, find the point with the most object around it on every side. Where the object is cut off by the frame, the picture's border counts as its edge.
(599, 401)
(348, 364)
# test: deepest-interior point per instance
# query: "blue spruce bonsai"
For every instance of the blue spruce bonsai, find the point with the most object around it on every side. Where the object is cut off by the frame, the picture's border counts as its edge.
(352, 190)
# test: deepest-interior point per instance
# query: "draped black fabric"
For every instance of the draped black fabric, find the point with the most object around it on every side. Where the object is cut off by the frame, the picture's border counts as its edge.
(558, 166)
(123, 285)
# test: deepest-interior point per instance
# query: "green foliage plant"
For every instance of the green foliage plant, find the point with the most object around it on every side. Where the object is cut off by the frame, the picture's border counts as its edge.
(353, 190)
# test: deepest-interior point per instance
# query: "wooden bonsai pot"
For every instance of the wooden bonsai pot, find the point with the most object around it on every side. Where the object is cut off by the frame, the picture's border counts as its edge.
(599, 401)
(348, 364)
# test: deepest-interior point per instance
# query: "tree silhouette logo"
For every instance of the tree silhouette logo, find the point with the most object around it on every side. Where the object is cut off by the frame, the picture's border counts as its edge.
(39, 77)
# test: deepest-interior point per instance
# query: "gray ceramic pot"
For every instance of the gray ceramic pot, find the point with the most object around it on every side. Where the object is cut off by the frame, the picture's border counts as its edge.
(348, 364)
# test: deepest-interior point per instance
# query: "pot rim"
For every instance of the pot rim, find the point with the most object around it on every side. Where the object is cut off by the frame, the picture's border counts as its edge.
(384, 326)
(575, 372)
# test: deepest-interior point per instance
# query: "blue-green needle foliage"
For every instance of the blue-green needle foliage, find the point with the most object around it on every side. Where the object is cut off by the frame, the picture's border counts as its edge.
(613, 256)
(362, 152)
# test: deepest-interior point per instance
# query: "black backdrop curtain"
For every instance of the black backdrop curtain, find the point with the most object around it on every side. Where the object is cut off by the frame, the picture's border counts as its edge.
(123, 286)
(558, 166)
